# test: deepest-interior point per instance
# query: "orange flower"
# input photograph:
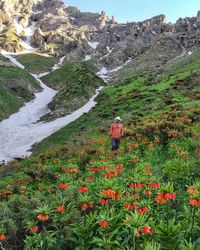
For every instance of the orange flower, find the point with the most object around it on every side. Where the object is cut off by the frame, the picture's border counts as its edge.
(155, 185)
(34, 229)
(135, 185)
(103, 202)
(95, 170)
(63, 186)
(147, 230)
(43, 217)
(104, 223)
(187, 131)
(61, 209)
(130, 206)
(192, 191)
(148, 192)
(148, 172)
(74, 170)
(133, 160)
(160, 198)
(84, 206)
(142, 210)
(2, 237)
(185, 156)
(83, 189)
(109, 193)
(91, 205)
(194, 202)
(170, 196)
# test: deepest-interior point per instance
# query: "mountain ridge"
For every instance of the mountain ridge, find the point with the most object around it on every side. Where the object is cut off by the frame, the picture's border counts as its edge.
(57, 29)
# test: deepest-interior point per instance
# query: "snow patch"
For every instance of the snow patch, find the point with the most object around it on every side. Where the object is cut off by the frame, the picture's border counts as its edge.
(109, 50)
(18, 26)
(87, 57)
(29, 31)
(37, 12)
(12, 59)
(19, 132)
(153, 32)
(22, 130)
(59, 64)
(93, 44)
(103, 74)
(120, 67)
(189, 53)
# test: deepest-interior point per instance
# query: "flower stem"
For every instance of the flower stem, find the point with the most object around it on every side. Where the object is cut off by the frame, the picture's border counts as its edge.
(193, 218)
(167, 214)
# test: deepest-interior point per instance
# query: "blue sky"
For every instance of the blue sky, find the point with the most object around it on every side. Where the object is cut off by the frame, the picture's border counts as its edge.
(139, 10)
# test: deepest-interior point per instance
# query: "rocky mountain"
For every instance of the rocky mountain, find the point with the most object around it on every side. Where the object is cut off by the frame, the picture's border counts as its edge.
(52, 27)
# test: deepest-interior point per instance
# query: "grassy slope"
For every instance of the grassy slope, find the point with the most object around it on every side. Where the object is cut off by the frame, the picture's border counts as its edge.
(178, 88)
(16, 87)
(161, 146)
(76, 84)
(37, 63)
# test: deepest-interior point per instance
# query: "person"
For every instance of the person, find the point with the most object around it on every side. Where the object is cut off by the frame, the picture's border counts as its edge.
(116, 132)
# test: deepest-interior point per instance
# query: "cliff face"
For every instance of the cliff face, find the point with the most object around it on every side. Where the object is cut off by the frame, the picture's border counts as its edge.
(55, 28)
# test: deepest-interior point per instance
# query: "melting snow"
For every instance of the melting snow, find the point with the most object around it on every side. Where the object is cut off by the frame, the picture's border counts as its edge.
(12, 59)
(21, 130)
(120, 67)
(59, 64)
(103, 74)
(93, 44)
(29, 31)
(109, 50)
(18, 26)
(37, 12)
(87, 57)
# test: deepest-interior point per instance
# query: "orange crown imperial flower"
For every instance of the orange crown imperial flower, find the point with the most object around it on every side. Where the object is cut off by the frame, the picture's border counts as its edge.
(2, 237)
(147, 230)
(61, 209)
(43, 217)
(192, 190)
(83, 189)
(194, 202)
(34, 229)
(104, 223)
(63, 186)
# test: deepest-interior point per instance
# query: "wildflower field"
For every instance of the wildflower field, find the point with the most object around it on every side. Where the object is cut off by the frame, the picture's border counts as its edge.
(77, 194)
(144, 196)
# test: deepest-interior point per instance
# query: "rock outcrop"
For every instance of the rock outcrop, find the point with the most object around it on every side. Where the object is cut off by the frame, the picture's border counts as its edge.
(60, 29)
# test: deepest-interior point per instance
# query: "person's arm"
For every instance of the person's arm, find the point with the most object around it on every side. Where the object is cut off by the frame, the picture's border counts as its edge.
(122, 131)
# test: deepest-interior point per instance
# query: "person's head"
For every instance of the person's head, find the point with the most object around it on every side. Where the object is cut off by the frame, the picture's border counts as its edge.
(118, 119)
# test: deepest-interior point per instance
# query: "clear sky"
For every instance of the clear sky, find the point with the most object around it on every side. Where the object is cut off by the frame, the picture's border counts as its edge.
(139, 10)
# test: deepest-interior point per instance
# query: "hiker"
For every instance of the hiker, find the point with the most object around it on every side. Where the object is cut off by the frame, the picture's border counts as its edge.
(116, 132)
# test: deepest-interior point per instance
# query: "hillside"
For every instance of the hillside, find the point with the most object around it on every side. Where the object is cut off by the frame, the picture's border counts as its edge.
(16, 88)
(36, 63)
(76, 84)
(176, 87)
(79, 194)
(61, 185)
(145, 196)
